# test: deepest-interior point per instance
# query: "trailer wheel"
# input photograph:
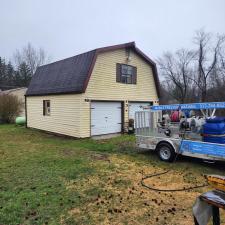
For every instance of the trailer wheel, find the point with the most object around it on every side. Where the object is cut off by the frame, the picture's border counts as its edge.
(166, 152)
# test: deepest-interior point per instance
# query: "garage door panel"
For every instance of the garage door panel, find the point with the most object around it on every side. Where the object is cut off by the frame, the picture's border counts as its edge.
(137, 107)
(105, 117)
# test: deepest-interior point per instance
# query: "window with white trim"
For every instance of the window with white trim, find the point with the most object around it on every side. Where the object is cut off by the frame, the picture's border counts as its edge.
(126, 74)
(46, 108)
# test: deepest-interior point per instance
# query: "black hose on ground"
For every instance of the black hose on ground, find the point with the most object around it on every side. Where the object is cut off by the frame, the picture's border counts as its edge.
(162, 173)
(167, 190)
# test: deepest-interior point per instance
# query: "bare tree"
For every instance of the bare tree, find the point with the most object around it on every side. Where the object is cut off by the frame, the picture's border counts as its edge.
(31, 57)
(196, 75)
(165, 96)
(207, 61)
(222, 59)
(217, 79)
(176, 70)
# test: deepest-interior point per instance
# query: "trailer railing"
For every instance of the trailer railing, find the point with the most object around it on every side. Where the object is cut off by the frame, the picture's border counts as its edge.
(146, 122)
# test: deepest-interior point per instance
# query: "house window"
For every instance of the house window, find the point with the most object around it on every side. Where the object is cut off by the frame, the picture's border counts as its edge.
(46, 107)
(126, 74)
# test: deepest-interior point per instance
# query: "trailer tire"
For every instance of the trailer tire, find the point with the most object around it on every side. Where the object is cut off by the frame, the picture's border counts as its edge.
(166, 152)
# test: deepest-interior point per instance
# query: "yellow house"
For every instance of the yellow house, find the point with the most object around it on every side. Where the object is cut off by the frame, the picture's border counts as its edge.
(94, 93)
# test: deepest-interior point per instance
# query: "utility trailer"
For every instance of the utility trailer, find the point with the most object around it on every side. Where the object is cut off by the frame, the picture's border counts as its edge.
(155, 131)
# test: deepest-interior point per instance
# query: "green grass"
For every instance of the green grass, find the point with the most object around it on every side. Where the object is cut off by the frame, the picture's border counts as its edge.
(50, 180)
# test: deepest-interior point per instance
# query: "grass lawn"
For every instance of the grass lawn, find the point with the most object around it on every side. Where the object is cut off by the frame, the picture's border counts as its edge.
(50, 180)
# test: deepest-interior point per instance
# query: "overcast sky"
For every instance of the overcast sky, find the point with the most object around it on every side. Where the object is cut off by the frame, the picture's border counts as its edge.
(68, 27)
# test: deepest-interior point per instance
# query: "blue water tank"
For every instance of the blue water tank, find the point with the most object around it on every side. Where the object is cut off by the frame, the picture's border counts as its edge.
(212, 128)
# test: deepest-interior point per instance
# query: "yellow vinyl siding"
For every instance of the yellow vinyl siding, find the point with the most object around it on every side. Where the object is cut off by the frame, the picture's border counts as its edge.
(70, 114)
(64, 117)
(103, 86)
(85, 118)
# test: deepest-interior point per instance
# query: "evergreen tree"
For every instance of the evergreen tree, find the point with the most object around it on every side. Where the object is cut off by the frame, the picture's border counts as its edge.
(2, 73)
(10, 73)
(23, 75)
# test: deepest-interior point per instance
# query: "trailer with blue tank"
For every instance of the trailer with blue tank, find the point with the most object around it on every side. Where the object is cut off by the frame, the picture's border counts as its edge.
(193, 130)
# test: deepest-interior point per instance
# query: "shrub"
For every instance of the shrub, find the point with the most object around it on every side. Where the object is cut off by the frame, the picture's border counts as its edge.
(10, 107)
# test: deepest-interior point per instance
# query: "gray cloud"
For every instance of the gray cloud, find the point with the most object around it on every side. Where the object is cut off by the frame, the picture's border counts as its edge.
(65, 28)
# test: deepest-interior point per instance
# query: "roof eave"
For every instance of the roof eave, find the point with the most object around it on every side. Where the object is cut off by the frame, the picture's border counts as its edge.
(59, 93)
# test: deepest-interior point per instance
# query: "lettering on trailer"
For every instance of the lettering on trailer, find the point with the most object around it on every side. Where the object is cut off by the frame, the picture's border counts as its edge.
(211, 149)
(194, 106)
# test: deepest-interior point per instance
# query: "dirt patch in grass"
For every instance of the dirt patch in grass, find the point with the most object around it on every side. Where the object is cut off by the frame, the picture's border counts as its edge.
(98, 156)
(117, 197)
(174, 180)
(67, 152)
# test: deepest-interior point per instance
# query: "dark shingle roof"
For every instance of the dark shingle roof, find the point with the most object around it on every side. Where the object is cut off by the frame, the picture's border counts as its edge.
(71, 75)
(65, 76)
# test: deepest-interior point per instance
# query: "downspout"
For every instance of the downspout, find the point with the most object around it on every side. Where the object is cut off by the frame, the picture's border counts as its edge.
(26, 109)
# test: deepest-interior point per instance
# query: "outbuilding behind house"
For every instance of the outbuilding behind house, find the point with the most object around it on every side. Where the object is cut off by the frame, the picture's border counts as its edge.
(20, 93)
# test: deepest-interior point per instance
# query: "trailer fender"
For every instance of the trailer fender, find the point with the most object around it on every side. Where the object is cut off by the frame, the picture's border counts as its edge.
(174, 145)
(166, 151)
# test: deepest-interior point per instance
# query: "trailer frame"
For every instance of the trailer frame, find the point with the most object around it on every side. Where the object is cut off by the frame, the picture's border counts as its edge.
(149, 136)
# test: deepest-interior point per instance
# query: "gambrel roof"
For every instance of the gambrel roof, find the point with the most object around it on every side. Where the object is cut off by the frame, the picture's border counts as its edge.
(72, 75)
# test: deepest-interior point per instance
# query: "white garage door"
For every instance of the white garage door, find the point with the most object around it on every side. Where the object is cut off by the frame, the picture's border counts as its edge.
(105, 118)
(137, 106)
